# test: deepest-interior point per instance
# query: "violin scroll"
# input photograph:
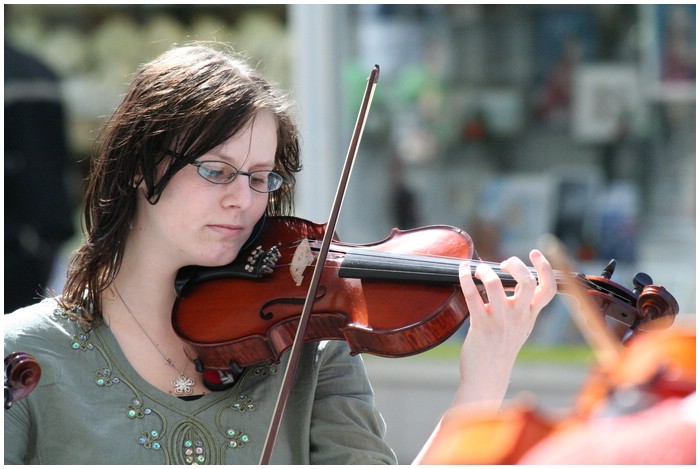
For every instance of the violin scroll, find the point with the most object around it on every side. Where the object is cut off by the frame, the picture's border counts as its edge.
(645, 308)
(657, 308)
(22, 374)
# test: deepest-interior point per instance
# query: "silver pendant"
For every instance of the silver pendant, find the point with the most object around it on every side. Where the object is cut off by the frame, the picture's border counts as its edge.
(182, 384)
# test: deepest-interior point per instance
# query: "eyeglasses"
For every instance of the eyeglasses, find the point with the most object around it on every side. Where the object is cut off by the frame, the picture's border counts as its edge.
(220, 172)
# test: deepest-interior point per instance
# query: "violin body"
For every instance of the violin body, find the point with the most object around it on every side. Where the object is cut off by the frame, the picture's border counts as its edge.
(470, 435)
(250, 320)
(661, 365)
(629, 411)
(396, 297)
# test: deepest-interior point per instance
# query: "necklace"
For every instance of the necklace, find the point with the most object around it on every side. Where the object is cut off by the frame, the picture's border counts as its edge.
(182, 384)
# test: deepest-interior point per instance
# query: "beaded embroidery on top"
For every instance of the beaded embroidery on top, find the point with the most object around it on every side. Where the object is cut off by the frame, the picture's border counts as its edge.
(189, 441)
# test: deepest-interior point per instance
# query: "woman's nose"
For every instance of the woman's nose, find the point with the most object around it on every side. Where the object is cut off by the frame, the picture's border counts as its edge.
(238, 192)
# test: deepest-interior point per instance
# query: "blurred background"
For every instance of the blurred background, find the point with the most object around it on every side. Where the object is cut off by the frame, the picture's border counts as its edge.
(509, 121)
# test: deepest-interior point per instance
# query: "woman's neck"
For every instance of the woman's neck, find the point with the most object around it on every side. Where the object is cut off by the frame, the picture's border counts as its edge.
(138, 309)
(146, 286)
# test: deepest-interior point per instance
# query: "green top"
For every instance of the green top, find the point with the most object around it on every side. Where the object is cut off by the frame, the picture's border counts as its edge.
(91, 407)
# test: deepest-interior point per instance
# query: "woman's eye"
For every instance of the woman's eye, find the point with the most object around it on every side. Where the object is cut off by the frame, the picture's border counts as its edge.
(213, 172)
(259, 179)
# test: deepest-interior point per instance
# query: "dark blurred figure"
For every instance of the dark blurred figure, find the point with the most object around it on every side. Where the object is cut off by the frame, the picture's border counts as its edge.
(38, 208)
(403, 199)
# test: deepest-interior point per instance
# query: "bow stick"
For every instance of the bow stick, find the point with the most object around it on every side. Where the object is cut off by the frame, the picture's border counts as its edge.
(318, 268)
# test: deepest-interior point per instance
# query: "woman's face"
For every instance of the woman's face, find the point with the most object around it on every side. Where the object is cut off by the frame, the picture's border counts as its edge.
(196, 222)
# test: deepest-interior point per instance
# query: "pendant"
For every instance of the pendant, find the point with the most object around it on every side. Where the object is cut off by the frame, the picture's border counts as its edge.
(182, 384)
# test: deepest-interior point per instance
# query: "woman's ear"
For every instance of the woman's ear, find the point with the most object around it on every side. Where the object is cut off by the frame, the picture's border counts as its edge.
(137, 181)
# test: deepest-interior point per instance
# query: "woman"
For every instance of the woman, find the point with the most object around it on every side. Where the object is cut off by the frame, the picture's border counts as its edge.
(198, 151)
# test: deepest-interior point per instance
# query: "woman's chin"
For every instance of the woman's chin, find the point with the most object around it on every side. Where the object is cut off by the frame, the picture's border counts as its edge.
(218, 261)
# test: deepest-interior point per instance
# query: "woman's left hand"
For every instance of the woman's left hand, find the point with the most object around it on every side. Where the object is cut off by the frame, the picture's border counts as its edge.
(499, 325)
(498, 328)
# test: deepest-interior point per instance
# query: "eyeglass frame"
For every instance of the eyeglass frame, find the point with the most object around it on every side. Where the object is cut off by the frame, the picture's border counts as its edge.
(232, 176)
(236, 172)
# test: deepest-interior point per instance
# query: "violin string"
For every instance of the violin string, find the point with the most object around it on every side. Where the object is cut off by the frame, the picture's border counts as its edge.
(448, 264)
(435, 265)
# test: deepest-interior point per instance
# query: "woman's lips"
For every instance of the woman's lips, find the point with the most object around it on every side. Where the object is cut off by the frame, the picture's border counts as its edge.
(227, 230)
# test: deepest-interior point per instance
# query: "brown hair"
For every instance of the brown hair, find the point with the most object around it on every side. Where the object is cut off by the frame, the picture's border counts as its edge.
(187, 101)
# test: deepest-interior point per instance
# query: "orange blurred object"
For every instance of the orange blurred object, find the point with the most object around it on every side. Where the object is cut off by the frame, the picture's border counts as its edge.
(639, 409)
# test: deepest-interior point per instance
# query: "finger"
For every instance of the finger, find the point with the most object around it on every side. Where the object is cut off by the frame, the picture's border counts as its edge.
(469, 289)
(494, 287)
(526, 283)
(547, 285)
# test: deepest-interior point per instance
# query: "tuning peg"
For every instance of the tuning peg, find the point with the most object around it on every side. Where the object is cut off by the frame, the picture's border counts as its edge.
(609, 269)
(640, 281)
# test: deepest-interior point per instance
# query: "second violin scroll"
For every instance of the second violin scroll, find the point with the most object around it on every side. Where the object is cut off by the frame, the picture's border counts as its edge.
(396, 297)
(22, 374)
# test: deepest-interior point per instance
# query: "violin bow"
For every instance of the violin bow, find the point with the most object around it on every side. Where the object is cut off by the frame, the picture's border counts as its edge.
(318, 268)
(604, 344)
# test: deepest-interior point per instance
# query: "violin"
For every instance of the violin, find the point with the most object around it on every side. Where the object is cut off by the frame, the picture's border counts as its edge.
(22, 374)
(392, 298)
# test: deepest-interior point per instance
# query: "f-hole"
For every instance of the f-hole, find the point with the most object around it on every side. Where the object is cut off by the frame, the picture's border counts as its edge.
(268, 315)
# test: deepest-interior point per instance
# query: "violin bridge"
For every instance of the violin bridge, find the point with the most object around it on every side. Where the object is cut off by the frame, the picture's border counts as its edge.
(300, 261)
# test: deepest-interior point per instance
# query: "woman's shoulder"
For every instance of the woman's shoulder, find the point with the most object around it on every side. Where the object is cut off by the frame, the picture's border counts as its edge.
(39, 322)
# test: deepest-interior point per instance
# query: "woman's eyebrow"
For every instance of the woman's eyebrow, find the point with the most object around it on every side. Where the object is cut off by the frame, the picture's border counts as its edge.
(231, 160)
